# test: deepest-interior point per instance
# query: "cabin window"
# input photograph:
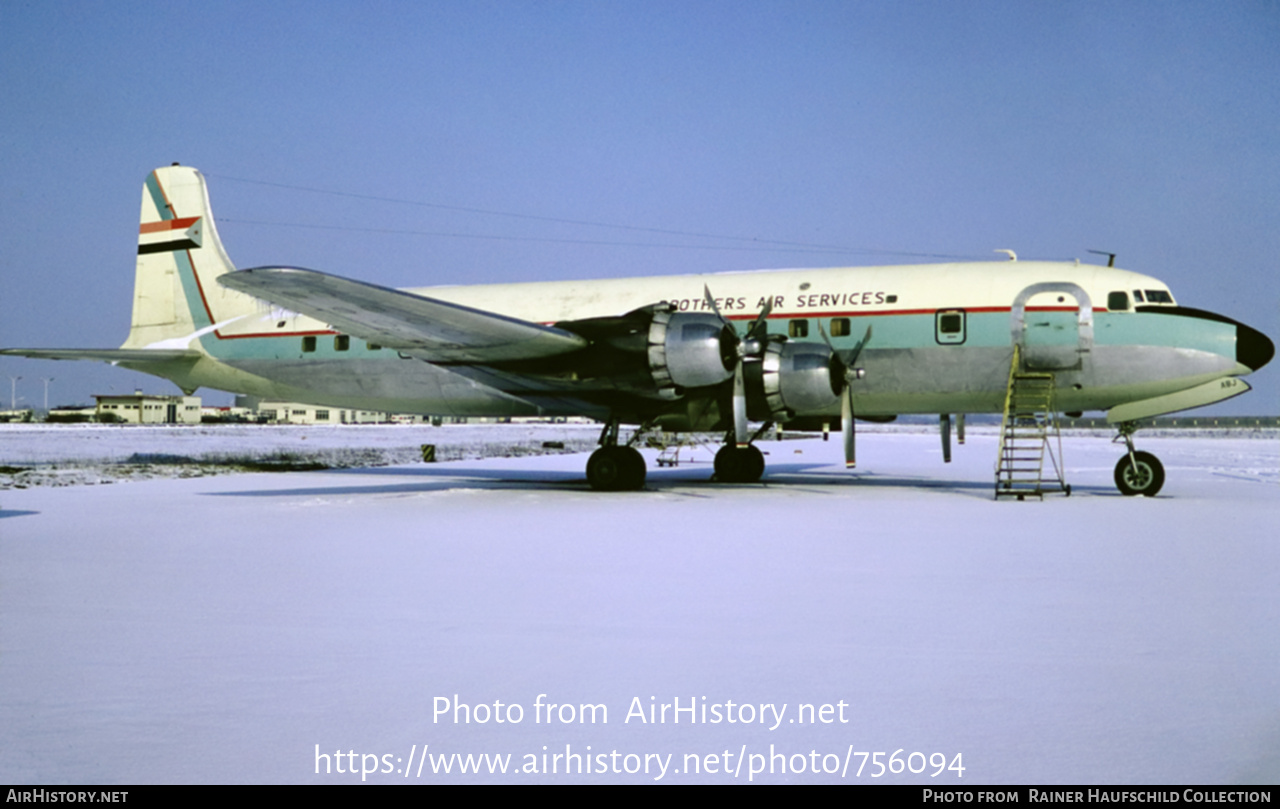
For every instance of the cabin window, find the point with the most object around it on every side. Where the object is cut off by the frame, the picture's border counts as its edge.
(308, 344)
(840, 327)
(1137, 296)
(1158, 296)
(341, 343)
(798, 328)
(1118, 301)
(949, 326)
(373, 346)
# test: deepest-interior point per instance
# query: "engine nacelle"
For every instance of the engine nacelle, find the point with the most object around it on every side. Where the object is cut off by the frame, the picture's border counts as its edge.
(799, 379)
(690, 349)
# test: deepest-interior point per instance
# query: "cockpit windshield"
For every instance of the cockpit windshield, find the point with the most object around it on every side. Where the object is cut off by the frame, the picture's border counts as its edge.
(1152, 296)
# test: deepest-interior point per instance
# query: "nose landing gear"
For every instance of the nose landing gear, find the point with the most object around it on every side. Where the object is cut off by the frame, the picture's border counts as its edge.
(1137, 472)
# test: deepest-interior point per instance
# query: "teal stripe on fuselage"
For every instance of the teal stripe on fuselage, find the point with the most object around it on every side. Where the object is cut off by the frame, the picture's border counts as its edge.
(1174, 331)
(289, 347)
(992, 330)
(982, 330)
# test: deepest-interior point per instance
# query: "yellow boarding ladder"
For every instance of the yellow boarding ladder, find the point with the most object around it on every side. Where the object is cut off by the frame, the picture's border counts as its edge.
(1028, 434)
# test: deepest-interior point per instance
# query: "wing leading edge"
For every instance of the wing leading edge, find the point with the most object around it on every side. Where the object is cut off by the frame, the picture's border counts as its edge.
(431, 329)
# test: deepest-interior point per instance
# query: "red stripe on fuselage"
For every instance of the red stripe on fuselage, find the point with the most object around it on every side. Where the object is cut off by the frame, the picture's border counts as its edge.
(855, 313)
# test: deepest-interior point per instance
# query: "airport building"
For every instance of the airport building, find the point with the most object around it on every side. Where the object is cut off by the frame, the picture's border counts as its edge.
(142, 408)
(299, 413)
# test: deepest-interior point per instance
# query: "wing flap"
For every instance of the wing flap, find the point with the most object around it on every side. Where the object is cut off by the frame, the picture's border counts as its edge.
(435, 330)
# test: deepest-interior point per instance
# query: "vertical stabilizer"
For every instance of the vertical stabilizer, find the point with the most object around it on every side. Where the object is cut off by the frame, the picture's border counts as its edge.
(175, 297)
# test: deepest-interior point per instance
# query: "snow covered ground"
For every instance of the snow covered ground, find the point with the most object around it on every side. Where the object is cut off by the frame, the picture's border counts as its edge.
(70, 455)
(248, 627)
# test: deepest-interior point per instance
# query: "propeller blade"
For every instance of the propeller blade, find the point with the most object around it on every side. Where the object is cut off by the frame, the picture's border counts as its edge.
(825, 338)
(760, 326)
(740, 429)
(751, 346)
(711, 301)
(846, 427)
(853, 355)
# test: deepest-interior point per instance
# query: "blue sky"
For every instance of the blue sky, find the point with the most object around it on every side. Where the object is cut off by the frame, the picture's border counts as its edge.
(891, 130)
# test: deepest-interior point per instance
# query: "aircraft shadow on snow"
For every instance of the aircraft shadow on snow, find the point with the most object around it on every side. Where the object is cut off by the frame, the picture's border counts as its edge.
(814, 478)
(15, 513)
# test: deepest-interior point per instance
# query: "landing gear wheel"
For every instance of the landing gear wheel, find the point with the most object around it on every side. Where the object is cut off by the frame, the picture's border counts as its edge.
(1145, 480)
(636, 467)
(739, 464)
(615, 469)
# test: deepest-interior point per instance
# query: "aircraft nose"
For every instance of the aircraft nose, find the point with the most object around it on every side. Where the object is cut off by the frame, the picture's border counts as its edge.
(1253, 348)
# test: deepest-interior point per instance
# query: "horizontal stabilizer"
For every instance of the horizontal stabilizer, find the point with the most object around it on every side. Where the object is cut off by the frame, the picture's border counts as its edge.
(1199, 396)
(104, 354)
(432, 329)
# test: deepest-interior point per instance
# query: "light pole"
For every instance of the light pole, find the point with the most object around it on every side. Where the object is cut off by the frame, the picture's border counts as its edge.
(47, 380)
(13, 392)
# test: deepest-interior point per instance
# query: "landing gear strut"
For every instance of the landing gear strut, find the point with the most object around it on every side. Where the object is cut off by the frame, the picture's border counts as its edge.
(1137, 472)
(613, 468)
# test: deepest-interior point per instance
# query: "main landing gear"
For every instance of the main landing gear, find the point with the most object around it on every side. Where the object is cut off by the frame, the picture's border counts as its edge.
(1137, 472)
(736, 464)
(741, 463)
(614, 468)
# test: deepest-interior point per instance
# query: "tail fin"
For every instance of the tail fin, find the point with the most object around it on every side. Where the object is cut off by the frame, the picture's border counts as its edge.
(176, 298)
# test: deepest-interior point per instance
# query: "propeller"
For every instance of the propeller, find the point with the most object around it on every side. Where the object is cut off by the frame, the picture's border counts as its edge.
(842, 366)
(750, 345)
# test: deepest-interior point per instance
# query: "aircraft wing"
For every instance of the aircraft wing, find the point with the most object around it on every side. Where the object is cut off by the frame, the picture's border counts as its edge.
(432, 329)
(112, 355)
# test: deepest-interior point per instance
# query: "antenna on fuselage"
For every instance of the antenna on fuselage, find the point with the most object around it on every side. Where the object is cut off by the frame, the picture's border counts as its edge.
(1111, 257)
(1012, 255)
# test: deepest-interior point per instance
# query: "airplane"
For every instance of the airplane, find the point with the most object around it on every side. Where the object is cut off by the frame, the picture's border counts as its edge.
(803, 348)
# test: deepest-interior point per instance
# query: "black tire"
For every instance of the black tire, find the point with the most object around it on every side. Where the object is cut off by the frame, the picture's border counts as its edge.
(739, 465)
(754, 463)
(615, 469)
(635, 466)
(605, 470)
(1146, 480)
(727, 465)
